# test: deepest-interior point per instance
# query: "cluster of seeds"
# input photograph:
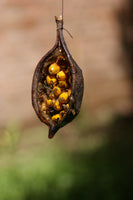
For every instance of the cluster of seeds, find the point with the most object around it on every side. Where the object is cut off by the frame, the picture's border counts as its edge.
(57, 83)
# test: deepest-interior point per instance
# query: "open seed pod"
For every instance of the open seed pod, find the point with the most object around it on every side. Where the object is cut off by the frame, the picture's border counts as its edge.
(57, 87)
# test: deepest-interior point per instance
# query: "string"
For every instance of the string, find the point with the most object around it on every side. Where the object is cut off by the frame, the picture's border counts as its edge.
(63, 19)
(62, 9)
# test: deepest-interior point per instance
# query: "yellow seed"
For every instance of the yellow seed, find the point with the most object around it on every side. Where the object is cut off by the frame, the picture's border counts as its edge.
(43, 107)
(56, 117)
(50, 102)
(57, 91)
(57, 106)
(69, 92)
(51, 95)
(48, 79)
(63, 97)
(51, 80)
(61, 76)
(66, 107)
(63, 84)
(62, 113)
(53, 102)
(54, 69)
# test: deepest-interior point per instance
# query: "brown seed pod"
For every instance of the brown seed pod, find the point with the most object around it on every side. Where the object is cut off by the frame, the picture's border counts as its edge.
(46, 77)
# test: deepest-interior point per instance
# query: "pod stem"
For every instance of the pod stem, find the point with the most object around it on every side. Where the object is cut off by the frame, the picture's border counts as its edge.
(59, 22)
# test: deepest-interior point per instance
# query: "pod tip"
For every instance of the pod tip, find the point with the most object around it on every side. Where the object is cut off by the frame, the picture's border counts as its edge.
(52, 131)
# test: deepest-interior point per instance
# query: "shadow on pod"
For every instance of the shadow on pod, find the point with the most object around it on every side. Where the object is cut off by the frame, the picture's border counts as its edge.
(57, 87)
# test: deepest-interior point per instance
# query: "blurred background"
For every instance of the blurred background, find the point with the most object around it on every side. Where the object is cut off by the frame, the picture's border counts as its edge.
(91, 158)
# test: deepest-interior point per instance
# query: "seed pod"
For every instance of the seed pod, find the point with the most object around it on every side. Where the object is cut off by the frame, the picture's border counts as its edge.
(59, 112)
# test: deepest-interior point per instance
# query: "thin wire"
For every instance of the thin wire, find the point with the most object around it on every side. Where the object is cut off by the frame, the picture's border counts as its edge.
(62, 9)
(63, 18)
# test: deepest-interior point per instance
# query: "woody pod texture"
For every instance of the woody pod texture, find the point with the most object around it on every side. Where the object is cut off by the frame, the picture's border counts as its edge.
(57, 86)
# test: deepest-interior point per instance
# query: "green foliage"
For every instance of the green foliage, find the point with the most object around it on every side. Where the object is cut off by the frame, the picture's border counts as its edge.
(56, 173)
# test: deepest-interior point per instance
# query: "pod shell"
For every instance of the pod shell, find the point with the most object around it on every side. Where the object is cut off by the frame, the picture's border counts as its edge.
(77, 85)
